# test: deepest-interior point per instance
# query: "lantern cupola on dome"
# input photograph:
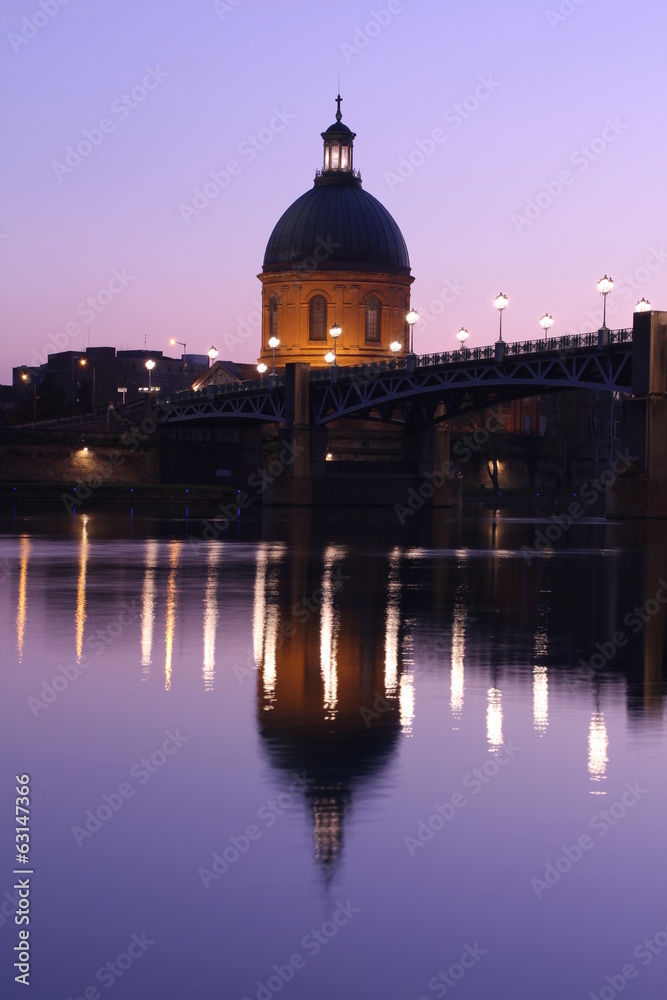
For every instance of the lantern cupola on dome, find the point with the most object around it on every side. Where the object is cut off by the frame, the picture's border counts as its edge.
(338, 151)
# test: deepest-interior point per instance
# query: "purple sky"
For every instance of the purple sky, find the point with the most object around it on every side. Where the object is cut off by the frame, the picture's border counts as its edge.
(554, 82)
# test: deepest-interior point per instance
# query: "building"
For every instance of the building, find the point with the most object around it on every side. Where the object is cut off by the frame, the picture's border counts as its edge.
(335, 257)
(225, 373)
(93, 378)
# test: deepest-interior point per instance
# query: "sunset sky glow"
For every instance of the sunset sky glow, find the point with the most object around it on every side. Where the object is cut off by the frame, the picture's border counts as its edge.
(519, 147)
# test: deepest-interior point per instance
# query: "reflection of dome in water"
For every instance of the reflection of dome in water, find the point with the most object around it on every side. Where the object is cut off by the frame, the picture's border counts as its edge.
(319, 677)
(335, 764)
(328, 816)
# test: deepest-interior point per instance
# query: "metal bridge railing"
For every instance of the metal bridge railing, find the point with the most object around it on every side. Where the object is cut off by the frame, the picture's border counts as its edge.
(227, 388)
(516, 348)
(363, 372)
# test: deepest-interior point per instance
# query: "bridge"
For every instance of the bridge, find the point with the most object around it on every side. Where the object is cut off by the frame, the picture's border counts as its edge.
(422, 394)
(422, 390)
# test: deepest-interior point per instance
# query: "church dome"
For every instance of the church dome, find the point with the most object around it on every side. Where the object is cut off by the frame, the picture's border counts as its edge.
(345, 225)
(335, 261)
(337, 224)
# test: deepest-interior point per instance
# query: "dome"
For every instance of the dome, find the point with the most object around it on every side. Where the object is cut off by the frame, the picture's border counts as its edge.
(337, 225)
(340, 213)
(336, 258)
(339, 128)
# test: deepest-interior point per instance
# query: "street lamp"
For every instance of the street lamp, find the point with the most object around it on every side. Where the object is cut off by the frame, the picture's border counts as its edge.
(31, 378)
(500, 302)
(411, 319)
(462, 336)
(273, 343)
(643, 306)
(605, 286)
(261, 368)
(330, 358)
(335, 332)
(213, 353)
(83, 362)
(150, 365)
(185, 351)
(546, 323)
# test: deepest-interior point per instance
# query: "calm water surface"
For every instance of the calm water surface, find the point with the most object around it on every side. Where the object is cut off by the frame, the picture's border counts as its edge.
(336, 762)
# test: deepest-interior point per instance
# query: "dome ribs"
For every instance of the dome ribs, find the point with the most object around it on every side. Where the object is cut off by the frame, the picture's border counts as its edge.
(345, 214)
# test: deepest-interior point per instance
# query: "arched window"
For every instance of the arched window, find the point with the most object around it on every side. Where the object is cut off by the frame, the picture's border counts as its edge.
(373, 320)
(273, 316)
(317, 318)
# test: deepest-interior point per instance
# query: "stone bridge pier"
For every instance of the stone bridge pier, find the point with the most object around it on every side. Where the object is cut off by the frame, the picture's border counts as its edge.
(643, 491)
(425, 477)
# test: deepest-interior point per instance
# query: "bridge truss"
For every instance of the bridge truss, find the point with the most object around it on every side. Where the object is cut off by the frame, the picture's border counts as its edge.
(424, 390)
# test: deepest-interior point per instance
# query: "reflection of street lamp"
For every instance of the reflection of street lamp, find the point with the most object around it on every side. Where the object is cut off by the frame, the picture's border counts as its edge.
(411, 319)
(185, 351)
(273, 343)
(335, 332)
(213, 353)
(83, 362)
(150, 365)
(500, 302)
(643, 306)
(546, 323)
(605, 286)
(31, 378)
(462, 336)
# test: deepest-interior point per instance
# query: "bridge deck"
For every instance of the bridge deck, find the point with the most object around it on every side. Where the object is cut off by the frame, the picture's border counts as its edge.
(414, 387)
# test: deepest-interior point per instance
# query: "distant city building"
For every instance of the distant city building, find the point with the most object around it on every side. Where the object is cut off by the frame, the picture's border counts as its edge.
(101, 375)
(225, 373)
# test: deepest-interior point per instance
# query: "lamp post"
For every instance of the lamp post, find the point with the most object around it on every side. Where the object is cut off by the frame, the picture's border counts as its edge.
(643, 306)
(500, 302)
(411, 319)
(150, 365)
(330, 358)
(605, 286)
(546, 323)
(395, 347)
(84, 362)
(273, 343)
(335, 332)
(31, 378)
(261, 368)
(411, 360)
(462, 336)
(185, 351)
(212, 354)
